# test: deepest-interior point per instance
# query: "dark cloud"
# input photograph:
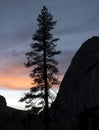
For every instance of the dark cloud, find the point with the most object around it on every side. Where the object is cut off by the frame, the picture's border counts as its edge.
(18, 19)
(76, 21)
(12, 57)
(81, 24)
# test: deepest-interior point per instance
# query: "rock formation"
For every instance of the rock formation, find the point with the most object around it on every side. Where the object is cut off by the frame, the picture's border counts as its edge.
(79, 90)
(10, 118)
(2, 102)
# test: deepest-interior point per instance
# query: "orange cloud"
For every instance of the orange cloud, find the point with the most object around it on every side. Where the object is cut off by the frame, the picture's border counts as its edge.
(15, 82)
(15, 77)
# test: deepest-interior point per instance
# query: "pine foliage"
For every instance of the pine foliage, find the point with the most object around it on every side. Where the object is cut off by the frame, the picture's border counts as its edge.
(35, 59)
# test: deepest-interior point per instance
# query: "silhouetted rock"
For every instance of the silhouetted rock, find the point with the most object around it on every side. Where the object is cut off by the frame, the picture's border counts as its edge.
(10, 118)
(79, 89)
(2, 101)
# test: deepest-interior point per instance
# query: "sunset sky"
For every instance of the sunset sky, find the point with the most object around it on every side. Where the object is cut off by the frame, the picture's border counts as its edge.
(77, 21)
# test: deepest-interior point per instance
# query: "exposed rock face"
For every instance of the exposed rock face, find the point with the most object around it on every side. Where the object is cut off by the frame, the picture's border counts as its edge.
(79, 89)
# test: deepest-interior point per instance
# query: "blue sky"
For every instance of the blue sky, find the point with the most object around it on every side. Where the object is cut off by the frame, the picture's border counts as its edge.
(77, 21)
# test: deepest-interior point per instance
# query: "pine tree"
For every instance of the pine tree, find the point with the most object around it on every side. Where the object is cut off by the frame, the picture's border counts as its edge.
(42, 60)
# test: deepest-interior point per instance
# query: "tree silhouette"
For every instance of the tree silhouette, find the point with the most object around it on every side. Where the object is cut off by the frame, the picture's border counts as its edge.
(41, 59)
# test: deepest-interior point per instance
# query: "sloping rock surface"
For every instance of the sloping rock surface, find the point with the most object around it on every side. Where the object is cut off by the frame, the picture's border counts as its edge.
(79, 89)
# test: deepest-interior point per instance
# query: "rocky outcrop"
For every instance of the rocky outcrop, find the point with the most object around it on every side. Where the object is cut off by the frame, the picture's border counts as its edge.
(2, 102)
(79, 89)
(10, 118)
